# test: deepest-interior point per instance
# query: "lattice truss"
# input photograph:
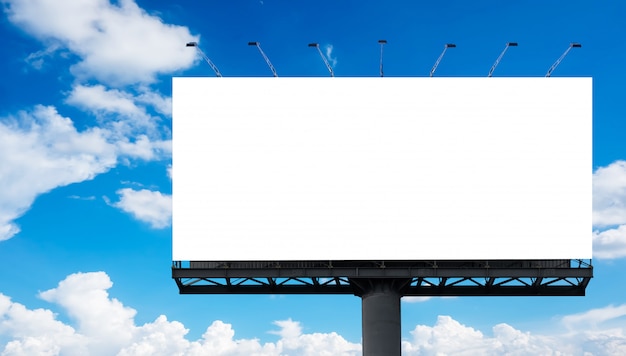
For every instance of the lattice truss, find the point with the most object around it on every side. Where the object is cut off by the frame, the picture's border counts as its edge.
(414, 278)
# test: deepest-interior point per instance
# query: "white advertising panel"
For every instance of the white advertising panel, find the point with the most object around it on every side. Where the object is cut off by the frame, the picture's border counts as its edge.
(381, 168)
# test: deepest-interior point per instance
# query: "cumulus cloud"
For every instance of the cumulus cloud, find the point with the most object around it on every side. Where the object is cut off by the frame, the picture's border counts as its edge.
(104, 326)
(106, 322)
(117, 43)
(144, 148)
(293, 339)
(160, 103)
(98, 99)
(42, 150)
(136, 133)
(146, 205)
(609, 211)
(610, 243)
(124, 112)
(609, 195)
(36, 332)
(449, 337)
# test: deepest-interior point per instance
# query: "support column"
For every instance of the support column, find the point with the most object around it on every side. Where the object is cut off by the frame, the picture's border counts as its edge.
(380, 315)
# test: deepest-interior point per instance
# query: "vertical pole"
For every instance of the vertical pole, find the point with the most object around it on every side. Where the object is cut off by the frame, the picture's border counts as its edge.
(380, 298)
(382, 43)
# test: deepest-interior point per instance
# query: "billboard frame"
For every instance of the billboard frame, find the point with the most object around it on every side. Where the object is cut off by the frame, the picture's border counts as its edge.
(419, 278)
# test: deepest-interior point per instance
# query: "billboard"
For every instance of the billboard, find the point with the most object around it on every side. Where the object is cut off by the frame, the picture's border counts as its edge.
(381, 168)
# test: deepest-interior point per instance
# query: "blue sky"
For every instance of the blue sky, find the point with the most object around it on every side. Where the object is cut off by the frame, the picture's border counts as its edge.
(85, 152)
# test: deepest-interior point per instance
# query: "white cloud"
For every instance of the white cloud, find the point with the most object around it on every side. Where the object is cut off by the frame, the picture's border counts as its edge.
(136, 132)
(121, 112)
(37, 59)
(609, 195)
(219, 340)
(41, 150)
(144, 148)
(160, 103)
(78, 197)
(98, 99)
(36, 332)
(594, 317)
(292, 339)
(102, 325)
(105, 322)
(446, 336)
(416, 299)
(160, 337)
(449, 337)
(610, 243)
(421, 299)
(117, 44)
(609, 211)
(329, 54)
(146, 205)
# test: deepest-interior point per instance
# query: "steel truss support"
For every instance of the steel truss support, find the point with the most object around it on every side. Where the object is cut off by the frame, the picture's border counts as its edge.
(381, 284)
(427, 278)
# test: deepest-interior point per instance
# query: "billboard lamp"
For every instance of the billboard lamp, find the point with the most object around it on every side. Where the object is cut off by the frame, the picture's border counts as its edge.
(493, 67)
(558, 61)
(330, 69)
(267, 60)
(382, 43)
(445, 47)
(205, 57)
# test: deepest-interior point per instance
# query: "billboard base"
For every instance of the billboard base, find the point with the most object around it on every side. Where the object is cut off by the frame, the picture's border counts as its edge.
(380, 314)
(381, 284)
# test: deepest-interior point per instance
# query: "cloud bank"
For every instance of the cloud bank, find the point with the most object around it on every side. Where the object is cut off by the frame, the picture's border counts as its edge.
(117, 44)
(102, 325)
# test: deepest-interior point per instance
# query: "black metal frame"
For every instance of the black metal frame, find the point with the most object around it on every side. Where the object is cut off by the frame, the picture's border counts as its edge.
(414, 278)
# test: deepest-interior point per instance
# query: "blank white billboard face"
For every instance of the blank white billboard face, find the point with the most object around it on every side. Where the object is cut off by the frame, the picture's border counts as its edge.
(381, 168)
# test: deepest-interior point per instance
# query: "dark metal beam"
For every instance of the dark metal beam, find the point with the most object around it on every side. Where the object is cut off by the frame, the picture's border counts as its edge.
(575, 290)
(381, 272)
(418, 278)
